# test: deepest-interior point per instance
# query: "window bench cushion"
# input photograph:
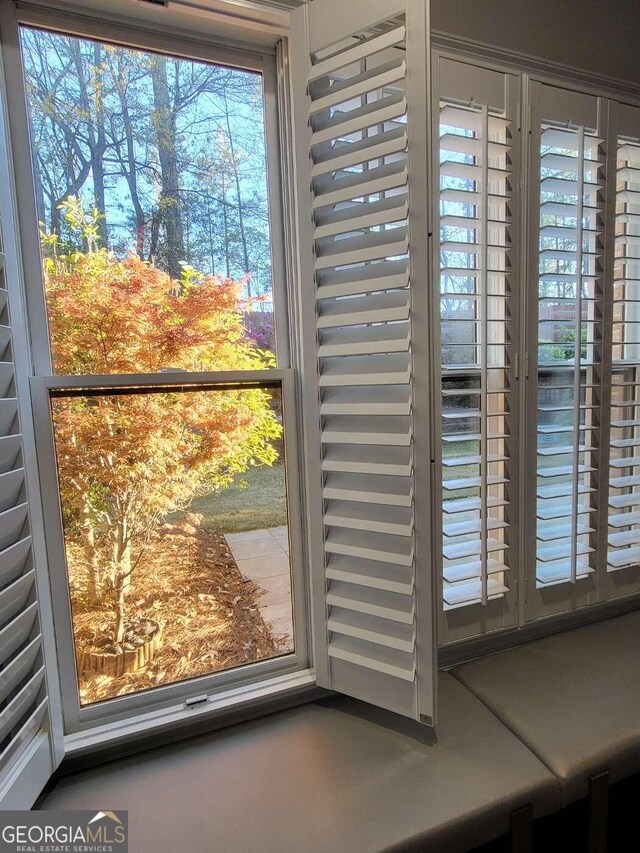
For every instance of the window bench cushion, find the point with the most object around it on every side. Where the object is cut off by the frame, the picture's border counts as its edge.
(573, 698)
(331, 776)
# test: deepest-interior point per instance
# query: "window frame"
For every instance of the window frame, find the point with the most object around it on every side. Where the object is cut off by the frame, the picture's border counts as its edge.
(270, 673)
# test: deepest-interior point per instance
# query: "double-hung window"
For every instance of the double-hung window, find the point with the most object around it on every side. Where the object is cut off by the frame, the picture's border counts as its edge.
(163, 399)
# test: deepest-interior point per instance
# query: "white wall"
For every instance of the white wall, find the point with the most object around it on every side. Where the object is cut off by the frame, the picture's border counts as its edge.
(595, 35)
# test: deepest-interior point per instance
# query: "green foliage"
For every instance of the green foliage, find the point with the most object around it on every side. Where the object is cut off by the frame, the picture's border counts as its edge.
(554, 351)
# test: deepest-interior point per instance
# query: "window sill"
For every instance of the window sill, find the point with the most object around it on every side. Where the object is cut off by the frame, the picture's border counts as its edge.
(155, 728)
(463, 651)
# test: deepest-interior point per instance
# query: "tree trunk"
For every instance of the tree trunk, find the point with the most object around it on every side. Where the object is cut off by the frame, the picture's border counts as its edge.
(226, 224)
(41, 206)
(95, 128)
(122, 575)
(120, 614)
(72, 189)
(166, 140)
(234, 166)
(130, 169)
(100, 147)
(94, 585)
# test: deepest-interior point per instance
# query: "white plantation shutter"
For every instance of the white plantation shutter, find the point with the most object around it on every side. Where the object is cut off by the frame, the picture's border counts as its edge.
(623, 540)
(584, 339)
(477, 164)
(568, 157)
(24, 715)
(30, 720)
(360, 106)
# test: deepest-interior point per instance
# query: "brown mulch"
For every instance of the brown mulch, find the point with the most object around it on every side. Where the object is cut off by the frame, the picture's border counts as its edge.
(189, 583)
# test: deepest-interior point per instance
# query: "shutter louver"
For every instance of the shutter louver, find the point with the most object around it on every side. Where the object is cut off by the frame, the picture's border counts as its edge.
(624, 454)
(475, 342)
(23, 697)
(356, 120)
(569, 308)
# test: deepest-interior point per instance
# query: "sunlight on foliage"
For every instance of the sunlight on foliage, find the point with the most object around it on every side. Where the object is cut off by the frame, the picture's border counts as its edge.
(126, 461)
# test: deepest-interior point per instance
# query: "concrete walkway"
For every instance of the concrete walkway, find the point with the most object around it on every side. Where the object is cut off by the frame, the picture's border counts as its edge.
(263, 557)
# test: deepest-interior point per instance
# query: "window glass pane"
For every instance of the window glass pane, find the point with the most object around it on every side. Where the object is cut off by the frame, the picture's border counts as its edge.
(175, 528)
(151, 191)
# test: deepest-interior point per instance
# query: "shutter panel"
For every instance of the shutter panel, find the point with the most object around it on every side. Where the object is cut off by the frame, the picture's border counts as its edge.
(30, 728)
(359, 99)
(23, 694)
(623, 549)
(570, 164)
(478, 159)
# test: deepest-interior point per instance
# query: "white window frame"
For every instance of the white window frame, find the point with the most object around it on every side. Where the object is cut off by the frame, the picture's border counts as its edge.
(242, 687)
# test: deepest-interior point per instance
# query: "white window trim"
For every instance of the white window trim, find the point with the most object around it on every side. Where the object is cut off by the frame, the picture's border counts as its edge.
(238, 704)
(251, 27)
(545, 71)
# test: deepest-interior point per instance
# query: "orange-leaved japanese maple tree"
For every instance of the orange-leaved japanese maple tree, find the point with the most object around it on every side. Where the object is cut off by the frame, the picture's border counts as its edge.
(127, 460)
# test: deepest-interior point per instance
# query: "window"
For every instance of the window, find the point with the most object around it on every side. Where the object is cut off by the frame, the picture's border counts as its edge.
(477, 160)
(538, 342)
(171, 418)
(568, 397)
(161, 382)
(624, 494)
(474, 247)
(485, 424)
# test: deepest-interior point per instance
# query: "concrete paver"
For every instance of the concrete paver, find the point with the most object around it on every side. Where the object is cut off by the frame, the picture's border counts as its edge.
(263, 557)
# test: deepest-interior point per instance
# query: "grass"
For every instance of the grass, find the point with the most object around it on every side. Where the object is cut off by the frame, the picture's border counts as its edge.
(465, 448)
(255, 501)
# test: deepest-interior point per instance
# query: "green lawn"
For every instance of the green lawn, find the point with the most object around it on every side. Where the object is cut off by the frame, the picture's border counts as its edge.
(465, 448)
(260, 504)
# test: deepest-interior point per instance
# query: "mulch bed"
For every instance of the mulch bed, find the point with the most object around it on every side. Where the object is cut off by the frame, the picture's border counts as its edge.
(189, 583)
